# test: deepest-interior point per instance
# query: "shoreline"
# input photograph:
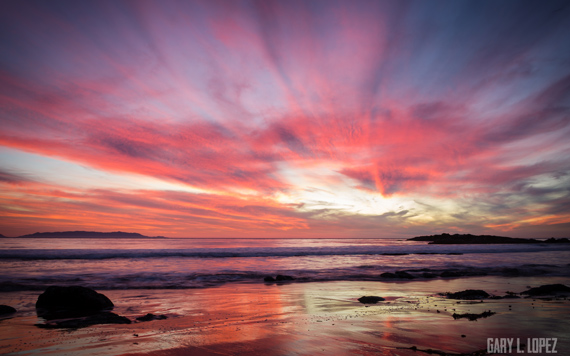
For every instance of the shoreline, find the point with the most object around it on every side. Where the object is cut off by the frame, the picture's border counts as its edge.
(310, 318)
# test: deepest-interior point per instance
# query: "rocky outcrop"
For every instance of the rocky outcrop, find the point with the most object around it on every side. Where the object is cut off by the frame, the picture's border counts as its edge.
(397, 274)
(469, 294)
(279, 278)
(75, 307)
(71, 301)
(447, 274)
(404, 275)
(473, 317)
(549, 289)
(429, 275)
(150, 317)
(6, 310)
(370, 299)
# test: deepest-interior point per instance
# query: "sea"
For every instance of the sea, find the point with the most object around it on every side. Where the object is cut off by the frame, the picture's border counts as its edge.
(178, 263)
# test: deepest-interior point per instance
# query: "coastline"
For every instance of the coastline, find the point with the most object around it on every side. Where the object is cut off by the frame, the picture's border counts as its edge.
(311, 318)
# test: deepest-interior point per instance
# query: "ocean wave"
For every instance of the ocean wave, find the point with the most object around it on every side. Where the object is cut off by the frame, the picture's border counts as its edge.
(171, 280)
(100, 254)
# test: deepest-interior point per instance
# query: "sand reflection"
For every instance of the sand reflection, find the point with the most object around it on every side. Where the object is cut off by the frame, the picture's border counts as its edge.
(297, 319)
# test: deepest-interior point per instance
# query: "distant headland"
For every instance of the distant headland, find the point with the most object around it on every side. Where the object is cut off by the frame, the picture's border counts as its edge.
(447, 239)
(89, 235)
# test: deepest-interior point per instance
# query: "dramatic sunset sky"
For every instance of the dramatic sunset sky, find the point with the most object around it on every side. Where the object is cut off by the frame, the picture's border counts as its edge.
(285, 118)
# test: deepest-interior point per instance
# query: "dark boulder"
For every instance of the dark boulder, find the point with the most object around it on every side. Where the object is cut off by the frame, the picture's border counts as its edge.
(269, 279)
(95, 319)
(6, 310)
(284, 278)
(57, 302)
(388, 275)
(469, 294)
(446, 274)
(429, 275)
(548, 289)
(370, 299)
(473, 317)
(150, 317)
(405, 275)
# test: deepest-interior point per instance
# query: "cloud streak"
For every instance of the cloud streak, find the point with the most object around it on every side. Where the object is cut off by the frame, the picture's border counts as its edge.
(456, 113)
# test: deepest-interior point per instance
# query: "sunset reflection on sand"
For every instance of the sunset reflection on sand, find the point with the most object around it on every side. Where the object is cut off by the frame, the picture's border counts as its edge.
(297, 319)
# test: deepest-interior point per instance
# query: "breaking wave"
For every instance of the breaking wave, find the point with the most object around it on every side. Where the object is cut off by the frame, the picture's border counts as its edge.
(100, 254)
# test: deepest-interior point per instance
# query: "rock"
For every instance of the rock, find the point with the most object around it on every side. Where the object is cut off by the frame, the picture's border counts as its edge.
(469, 294)
(150, 317)
(370, 299)
(6, 310)
(429, 275)
(99, 318)
(59, 302)
(269, 279)
(284, 278)
(548, 289)
(473, 317)
(451, 274)
(388, 275)
(510, 272)
(405, 275)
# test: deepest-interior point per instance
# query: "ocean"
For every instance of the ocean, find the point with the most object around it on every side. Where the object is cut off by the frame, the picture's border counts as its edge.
(108, 264)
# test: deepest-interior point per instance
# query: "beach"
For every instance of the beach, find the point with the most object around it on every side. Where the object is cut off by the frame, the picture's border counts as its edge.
(313, 318)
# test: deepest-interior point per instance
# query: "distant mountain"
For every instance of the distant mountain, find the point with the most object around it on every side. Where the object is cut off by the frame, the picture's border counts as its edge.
(447, 239)
(90, 234)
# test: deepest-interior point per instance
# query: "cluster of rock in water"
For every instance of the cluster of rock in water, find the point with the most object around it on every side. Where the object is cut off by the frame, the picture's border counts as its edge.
(278, 278)
(478, 294)
(426, 273)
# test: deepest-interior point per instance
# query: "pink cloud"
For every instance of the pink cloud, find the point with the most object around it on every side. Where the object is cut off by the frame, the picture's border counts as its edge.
(223, 96)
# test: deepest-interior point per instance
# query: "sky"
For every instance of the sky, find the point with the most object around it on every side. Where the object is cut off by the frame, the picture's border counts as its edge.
(347, 119)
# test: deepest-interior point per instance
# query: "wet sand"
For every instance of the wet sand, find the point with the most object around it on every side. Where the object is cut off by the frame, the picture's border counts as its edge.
(322, 318)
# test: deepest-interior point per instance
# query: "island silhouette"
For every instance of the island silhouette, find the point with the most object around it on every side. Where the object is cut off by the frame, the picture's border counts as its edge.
(89, 235)
(448, 239)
